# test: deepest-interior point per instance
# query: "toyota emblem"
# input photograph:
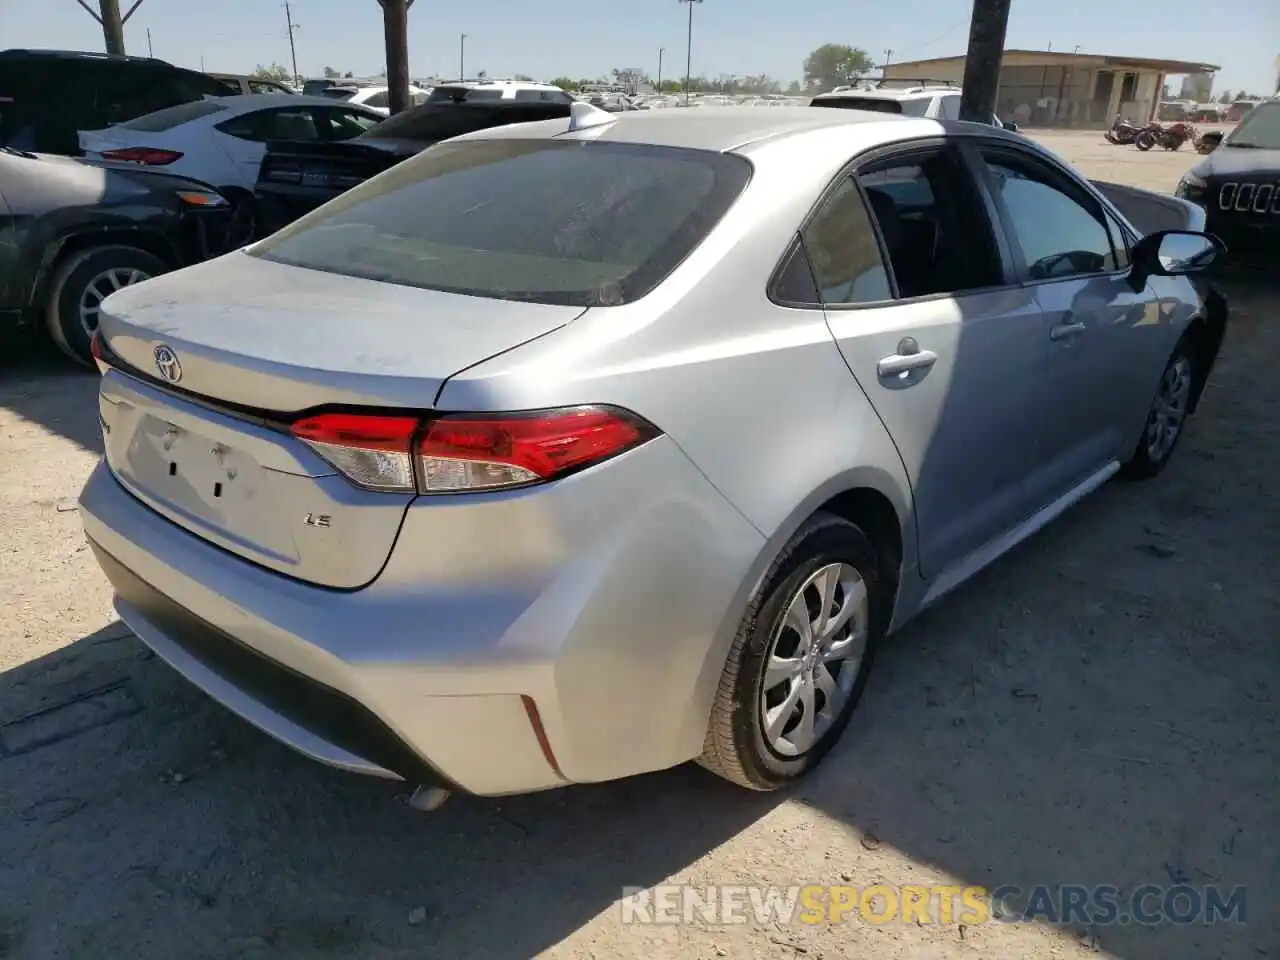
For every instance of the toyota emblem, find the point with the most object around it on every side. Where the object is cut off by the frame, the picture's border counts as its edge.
(167, 363)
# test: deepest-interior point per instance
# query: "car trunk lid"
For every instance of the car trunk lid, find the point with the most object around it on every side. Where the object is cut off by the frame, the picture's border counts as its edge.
(195, 417)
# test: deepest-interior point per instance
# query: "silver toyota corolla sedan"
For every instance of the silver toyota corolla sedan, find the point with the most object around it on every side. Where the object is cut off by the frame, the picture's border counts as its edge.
(571, 450)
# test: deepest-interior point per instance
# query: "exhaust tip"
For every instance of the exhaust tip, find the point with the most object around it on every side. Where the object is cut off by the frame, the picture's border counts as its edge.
(425, 798)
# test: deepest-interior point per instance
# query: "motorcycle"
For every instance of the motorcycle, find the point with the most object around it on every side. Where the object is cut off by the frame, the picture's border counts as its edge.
(1122, 132)
(1171, 137)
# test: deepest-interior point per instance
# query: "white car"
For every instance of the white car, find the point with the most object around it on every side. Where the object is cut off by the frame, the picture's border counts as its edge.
(221, 141)
(934, 101)
(375, 98)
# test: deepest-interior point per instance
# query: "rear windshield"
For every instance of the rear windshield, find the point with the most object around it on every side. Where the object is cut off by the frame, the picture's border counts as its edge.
(574, 223)
(433, 122)
(171, 117)
(339, 93)
(439, 94)
(908, 108)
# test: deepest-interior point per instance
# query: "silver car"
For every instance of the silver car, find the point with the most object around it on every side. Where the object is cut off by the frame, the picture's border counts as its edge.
(571, 450)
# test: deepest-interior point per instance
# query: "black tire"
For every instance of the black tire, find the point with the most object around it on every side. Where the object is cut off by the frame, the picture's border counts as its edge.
(70, 284)
(735, 746)
(1145, 141)
(1146, 461)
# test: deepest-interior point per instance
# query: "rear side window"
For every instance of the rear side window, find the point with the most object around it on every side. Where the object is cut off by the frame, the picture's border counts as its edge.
(382, 99)
(908, 108)
(844, 252)
(441, 94)
(543, 96)
(171, 117)
(574, 223)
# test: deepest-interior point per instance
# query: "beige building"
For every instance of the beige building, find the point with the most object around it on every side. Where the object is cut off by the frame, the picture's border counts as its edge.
(1045, 88)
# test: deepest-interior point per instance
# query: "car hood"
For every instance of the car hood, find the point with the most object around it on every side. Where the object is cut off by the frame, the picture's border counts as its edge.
(1232, 161)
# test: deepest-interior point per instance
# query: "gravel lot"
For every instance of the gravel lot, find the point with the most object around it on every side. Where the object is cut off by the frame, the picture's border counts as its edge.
(1099, 707)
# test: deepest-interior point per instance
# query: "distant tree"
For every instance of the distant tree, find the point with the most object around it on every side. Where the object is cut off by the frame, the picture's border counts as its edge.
(524, 77)
(348, 75)
(331, 73)
(793, 88)
(1226, 97)
(835, 63)
(275, 72)
(565, 83)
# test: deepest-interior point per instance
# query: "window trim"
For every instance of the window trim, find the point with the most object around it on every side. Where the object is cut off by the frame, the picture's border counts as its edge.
(1056, 176)
(795, 248)
(902, 150)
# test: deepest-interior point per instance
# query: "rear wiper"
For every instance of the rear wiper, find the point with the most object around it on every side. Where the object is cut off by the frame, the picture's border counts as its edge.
(15, 152)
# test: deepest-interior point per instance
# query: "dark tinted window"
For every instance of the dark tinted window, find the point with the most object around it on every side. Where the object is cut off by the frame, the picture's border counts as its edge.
(932, 224)
(543, 96)
(794, 282)
(171, 117)
(1260, 128)
(440, 121)
(290, 123)
(579, 223)
(1058, 234)
(339, 124)
(382, 99)
(910, 108)
(841, 243)
(339, 93)
(440, 94)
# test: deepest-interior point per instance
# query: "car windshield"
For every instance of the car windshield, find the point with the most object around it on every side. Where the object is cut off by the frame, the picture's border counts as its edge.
(171, 117)
(1260, 129)
(559, 222)
(909, 108)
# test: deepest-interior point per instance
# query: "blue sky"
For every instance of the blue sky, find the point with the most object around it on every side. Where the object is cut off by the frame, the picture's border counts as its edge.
(547, 38)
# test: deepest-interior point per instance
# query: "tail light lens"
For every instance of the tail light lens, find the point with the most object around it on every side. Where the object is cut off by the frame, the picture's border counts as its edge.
(95, 348)
(457, 453)
(147, 156)
(372, 452)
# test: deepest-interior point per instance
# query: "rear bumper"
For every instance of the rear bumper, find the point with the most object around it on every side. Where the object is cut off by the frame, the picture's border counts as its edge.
(606, 601)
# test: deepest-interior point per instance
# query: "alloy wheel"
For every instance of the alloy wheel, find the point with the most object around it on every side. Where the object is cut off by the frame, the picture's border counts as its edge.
(1169, 411)
(101, 287)
(813, 659)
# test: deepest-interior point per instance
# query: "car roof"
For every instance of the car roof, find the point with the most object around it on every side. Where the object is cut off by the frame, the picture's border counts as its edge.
(887, 93)
(720, 129)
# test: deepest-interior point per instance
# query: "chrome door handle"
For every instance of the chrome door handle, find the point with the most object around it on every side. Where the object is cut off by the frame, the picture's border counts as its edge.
(1064, 330)
(895, 365)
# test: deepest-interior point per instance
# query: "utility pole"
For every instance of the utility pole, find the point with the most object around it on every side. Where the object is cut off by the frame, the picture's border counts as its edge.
(293, 50)
(688, 66)
(395, 23)
(112, 23)
(150, 52)
(462, 56)
(661, 51)
(887, 55)
(982, 63)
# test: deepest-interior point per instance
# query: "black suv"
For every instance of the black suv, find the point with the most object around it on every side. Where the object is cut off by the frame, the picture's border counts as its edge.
(46, 96)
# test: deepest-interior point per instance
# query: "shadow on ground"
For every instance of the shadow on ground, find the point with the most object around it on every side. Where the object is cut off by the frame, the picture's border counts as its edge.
(42, 386)
(1100, 707)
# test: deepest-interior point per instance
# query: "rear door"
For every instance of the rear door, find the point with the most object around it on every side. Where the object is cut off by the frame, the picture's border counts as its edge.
(948, 352)
(1105, 341)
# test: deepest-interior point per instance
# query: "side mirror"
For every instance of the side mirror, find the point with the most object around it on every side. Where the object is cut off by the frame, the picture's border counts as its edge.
(1175, 253)
(1010, 126)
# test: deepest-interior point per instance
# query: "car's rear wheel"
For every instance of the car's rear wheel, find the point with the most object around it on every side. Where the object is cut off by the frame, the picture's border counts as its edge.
(1167, 417)
(800, 661)
(82, 282)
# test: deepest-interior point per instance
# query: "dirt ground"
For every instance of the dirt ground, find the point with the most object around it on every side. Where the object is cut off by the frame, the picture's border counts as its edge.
(1099, 707)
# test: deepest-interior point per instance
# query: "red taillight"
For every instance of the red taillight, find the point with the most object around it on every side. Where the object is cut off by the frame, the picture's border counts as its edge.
(371, 451)
(463, 452)
(147, 156)
(482, 452)
(95, 348)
